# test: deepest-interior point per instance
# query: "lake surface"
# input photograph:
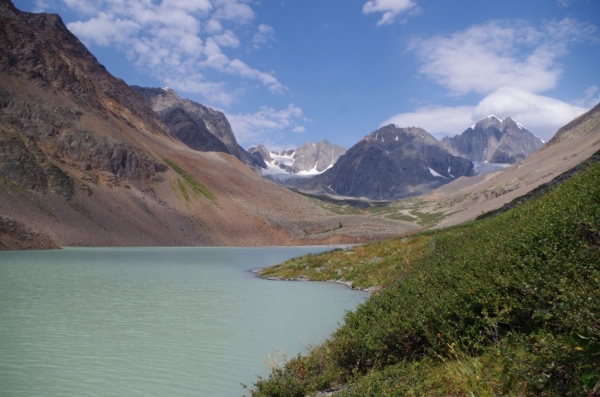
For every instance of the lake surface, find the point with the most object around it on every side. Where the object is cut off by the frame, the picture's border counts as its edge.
(154, 321)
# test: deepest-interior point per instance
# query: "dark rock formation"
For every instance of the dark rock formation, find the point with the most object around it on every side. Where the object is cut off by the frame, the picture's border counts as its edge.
(198, 126)
(391, 163)
(493, 140)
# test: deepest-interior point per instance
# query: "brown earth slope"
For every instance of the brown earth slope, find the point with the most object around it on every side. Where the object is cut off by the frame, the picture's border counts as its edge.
(85, 160)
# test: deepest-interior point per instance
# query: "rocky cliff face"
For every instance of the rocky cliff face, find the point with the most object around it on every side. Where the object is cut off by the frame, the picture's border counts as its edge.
(196, 125)
(391, 163)
(43, 138)
(492, 140)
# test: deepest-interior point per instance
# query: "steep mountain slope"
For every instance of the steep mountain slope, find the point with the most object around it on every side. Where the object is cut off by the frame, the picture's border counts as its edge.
(492, 140)
(196, 125)
(467, 198)
(391, 163)
(85, 160)
(309, 159)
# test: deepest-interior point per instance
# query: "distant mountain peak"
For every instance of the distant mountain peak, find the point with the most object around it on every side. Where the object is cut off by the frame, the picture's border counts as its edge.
(492, 140)
(312, 158)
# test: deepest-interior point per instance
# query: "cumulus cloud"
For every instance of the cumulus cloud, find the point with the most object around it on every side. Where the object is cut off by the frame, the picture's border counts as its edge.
(390, 8)
(485, 57)
(266, 124)
(509, 65)
(541, 115)
(177, 41)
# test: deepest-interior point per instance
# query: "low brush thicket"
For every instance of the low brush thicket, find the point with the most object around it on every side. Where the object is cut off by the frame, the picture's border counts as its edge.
(507, 306)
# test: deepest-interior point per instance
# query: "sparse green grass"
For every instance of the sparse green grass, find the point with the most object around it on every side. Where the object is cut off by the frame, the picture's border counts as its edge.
(183, 190)
(189, 179)
(506, 306)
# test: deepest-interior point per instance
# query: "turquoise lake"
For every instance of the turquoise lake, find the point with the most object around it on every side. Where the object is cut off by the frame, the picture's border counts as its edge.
(154, 321)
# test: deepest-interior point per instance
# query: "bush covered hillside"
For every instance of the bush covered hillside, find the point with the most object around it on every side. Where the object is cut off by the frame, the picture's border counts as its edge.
(506, 306)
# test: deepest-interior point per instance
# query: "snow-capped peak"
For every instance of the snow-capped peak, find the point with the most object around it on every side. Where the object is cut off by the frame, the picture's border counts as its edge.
(491, 116)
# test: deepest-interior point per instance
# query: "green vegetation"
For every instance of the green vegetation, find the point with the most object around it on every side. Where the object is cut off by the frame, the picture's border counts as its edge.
(195, 185)
(408, 210)
(505, 306)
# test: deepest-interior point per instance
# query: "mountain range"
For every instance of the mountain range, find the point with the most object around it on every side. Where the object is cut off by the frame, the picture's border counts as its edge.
(393, 162)
(390, 163)
(87, 160)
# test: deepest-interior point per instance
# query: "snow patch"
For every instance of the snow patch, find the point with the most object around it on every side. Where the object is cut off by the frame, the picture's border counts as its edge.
(491, 116)
(436, 174)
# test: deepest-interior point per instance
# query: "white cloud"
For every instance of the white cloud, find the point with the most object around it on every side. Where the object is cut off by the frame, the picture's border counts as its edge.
(591, 97)
(104, 29)
(390, 9)
(263, 35)
(227, 39)
(233, 10)
(299, 129)
(485, 57)
(176, 40)
(541, 115)
(266, 124)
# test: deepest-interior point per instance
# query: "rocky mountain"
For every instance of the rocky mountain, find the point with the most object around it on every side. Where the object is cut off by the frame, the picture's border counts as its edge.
(307, 160)
(196, 125)
(492, 140)
(85, 161)
(390, 163)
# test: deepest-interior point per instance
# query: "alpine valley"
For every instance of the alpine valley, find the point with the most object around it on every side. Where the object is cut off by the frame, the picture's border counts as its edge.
(87, 160)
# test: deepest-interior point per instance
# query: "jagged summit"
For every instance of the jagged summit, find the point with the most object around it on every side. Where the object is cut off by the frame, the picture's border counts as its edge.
(492, 140)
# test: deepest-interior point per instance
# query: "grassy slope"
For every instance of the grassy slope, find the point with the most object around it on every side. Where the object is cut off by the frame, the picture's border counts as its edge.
(503, 306)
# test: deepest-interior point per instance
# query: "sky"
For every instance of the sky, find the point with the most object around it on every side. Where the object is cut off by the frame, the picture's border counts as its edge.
(287, 72)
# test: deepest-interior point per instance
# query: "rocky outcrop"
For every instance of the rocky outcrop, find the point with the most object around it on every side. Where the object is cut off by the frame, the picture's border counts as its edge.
(492, 140)
(196, 125)
(23, 163)
(390, 163)
(41, 139)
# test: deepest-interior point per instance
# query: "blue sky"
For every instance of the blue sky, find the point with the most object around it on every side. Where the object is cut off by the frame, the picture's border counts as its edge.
(286, 72)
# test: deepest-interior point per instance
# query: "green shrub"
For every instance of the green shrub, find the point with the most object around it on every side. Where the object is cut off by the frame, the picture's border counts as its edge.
(193, 183)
